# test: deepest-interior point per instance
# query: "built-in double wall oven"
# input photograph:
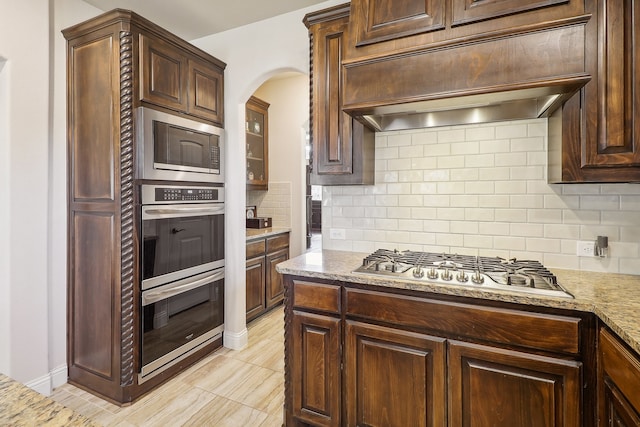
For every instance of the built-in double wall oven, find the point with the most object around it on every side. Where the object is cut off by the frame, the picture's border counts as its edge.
(181, 242)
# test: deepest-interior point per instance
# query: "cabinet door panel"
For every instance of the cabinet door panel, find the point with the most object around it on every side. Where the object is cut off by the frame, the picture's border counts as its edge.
(619, 113)
(163, 79)
(275, 285)
(378, 20)
(465, 11)
(255, 279)
(393, 377)
(332, 132)
(206, 92)
(492, 386)
(619, 388)
(315, 369)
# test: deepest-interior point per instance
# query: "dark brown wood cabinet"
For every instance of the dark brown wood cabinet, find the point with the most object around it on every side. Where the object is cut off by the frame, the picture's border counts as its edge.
(407, 358)
(257, 138)
(594, 137)
(116, 62)
(264, 285)
(618, 383)
(494, 386)
(343, 149)
(172, 78)
(383, 364)
(313, 352)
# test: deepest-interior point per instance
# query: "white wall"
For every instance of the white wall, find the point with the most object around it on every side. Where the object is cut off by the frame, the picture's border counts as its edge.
(23, 225)
(5, 224)
(288, 111)
(33, 180)
(253, 54)
(482, 190)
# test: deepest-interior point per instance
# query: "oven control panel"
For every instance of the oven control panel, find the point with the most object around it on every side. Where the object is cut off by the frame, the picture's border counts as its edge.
(164, 194)
(160, 194)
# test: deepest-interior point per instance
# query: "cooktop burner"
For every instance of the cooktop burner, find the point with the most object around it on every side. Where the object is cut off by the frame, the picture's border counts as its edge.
(483, 272)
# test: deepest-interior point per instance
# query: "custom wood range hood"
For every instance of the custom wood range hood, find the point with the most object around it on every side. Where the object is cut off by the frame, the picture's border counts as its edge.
(476, 78)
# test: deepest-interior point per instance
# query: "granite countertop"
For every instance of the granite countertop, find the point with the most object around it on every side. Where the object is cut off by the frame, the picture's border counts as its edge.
(614, 298)
(21, 406)
(258, 233)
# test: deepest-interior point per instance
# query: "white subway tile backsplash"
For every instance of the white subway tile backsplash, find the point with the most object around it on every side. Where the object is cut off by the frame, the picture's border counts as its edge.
(467, 174)
(511, 187)
(481, 190)
(511, 215)
(398, 139)
(445, 162)
(479, 160)
(456, 134)
(510, 159)
(511, 130)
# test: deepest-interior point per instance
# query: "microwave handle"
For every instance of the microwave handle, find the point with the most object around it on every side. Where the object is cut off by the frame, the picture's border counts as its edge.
(168, 291)
(153, 213)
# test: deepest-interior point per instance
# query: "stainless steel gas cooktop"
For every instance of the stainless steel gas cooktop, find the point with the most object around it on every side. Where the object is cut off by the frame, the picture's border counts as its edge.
(480, 272)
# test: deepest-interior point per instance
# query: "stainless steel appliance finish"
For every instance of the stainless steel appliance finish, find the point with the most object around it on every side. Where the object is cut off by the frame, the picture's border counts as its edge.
(480, 272)
(179, 318)
(182, 232)
(182, 257)
(175, 148)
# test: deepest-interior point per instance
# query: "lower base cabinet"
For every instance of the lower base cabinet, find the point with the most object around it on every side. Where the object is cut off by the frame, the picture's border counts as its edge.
(264, 286)
(495, 387)
(361, 357)
(400, 368)
(619, 383)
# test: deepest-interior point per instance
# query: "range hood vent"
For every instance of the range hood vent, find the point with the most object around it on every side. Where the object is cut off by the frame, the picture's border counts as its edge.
(516, 104)
(523, 75)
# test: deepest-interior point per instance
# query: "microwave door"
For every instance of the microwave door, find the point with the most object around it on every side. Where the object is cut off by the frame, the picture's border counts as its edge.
(180, 149)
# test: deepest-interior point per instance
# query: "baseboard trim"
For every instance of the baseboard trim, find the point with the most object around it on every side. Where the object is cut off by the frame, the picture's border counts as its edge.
(236, 341)
(47, 383)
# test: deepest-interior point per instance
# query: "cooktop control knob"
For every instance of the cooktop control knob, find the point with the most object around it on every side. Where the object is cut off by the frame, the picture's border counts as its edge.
(432, 273)
(446, 275)
(477, 278)
(418, 272)
(462, 277)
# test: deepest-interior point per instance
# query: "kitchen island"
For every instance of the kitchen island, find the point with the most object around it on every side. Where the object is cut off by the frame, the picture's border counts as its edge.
(355, 342)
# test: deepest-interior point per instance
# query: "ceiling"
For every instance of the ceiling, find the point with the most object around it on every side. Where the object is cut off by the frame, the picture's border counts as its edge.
(192, 19)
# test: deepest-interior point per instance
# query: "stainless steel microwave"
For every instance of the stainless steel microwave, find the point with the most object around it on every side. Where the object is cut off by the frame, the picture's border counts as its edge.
(176, 148)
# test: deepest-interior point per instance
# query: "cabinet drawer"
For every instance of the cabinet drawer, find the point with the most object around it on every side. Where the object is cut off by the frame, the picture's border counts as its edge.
(499, 325)
(316, 296)
(277, 242)
(255, 248)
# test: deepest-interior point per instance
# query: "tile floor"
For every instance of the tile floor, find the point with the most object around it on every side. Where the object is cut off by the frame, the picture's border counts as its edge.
(226, 389)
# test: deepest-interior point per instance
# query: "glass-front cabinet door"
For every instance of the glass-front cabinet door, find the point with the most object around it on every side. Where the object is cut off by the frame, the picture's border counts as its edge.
(257, 136)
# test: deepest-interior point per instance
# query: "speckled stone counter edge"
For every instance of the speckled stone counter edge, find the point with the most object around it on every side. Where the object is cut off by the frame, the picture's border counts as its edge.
(21, 406)
(261, 233)
(614, 298)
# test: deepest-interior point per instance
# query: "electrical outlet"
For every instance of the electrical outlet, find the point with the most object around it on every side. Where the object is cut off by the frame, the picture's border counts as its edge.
(586, 248)
(337, 234)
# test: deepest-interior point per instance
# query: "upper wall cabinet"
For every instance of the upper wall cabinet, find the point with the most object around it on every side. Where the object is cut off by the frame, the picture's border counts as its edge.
(382, 27)
(595, 137)
(380, 20)
(172, 78)
(343, 149)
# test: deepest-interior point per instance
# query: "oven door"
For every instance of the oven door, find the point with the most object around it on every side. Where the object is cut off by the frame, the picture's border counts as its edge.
(181, 240)
(179, 318)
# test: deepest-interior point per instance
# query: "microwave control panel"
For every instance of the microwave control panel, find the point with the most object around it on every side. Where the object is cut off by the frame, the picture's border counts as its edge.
(173, 194)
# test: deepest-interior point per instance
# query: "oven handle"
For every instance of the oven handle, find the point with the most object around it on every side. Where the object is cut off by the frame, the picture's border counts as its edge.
(170, 212)
(178, 287)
